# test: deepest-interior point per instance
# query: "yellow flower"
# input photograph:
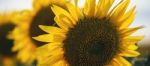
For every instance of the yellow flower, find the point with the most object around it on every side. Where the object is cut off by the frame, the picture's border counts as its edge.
(26, 27)
(93, 36)
(6, 25)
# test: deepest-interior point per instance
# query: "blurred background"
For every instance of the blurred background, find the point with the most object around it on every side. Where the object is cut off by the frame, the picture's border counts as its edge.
(142, 18)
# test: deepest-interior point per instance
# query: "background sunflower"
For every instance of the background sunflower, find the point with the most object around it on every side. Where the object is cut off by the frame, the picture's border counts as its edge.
(27, 26)
(6, 25)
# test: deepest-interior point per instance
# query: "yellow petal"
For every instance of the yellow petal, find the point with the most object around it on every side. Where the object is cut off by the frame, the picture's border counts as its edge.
(129, 53)
(126, 23)
(54, 46)
(51, 29)
(60, 63)
(126, 15)
(123, 61)
(44, 38)
(132, 47)
(19, 45)
(60, 11)
(59, 37)
(55, 58)
(61, 24)
(17, 34)
(129, 31)
(66, 21)
(47, 49)
(131, 40)
(43, 51)
(115, 62)
(89, 8)
(134, 38)
(25, 55)
(72, 11)
(50, 60)
(120, 10)
(103, 8)
(129, 45)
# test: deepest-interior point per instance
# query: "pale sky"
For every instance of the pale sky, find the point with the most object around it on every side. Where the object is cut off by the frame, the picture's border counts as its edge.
(142, 17)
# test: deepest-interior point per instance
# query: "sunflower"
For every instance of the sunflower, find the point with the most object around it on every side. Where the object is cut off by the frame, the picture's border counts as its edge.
(93, 36)
(6, 25)
(26, 27)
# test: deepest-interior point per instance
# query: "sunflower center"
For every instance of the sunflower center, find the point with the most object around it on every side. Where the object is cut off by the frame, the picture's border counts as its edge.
(92, 42)
(6, 44)
(45, 16)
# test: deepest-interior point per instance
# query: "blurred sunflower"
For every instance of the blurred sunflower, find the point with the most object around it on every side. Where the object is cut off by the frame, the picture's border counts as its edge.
(6, 25)
(93, 36)
(26, 27)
